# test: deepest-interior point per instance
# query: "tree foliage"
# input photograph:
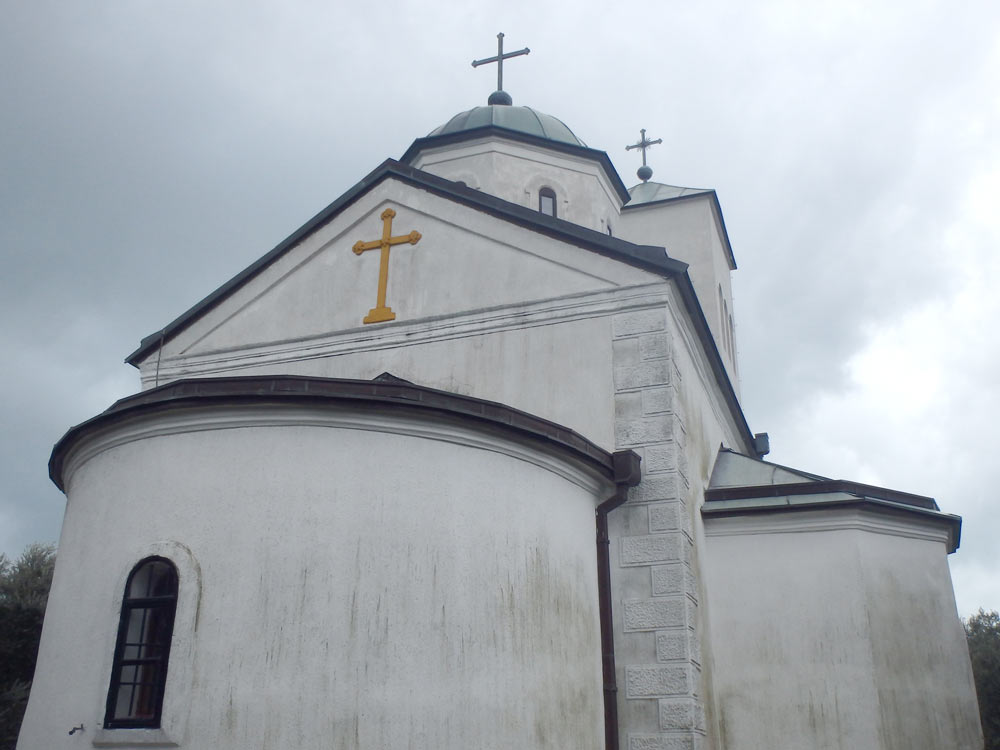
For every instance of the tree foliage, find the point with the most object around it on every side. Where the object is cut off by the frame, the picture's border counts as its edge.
(983, 632)
(24, 591)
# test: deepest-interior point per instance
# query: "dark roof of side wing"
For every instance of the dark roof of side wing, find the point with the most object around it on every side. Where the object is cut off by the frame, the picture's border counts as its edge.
(743, 485)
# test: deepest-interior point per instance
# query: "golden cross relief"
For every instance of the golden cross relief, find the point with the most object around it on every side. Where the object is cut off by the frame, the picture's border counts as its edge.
(382, 312)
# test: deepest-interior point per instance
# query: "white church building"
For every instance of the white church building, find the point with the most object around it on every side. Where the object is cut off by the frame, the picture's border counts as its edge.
(462, 464)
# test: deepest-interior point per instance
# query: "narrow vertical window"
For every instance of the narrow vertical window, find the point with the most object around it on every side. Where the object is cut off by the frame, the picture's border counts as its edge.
(547, 201)
(135, 697)
(725, 328)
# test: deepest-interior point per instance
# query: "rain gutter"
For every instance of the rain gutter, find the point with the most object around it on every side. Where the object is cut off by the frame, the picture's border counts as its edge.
(626, 473)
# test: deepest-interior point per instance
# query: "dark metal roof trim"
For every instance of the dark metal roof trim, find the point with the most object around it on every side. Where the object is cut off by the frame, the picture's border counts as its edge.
(447, 139)
(647, 257)
(819, 488)
(333, 392)
(870, 504)
(790, 469)
(695, 196)
(690, 299)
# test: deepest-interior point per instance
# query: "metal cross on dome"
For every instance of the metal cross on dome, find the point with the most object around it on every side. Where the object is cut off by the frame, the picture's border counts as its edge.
(495, 97)
(644, 172)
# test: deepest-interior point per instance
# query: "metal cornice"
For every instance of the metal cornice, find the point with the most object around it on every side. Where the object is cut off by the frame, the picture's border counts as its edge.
(647, 257)
(878, 506)
(700, 323)
(323, 393)
(819, 488)
(485, 131)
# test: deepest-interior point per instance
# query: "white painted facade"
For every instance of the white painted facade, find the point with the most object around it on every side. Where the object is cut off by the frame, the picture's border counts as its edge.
(814, 635)
(319, 538)
(691, 229)
(364, 578)
(517, 171)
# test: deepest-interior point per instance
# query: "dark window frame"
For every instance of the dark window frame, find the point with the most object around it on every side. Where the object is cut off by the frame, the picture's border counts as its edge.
(547, 192)
(149, 673)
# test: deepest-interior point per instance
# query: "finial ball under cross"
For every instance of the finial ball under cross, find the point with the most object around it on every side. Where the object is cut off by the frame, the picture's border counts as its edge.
(500, 96)
(644, 172)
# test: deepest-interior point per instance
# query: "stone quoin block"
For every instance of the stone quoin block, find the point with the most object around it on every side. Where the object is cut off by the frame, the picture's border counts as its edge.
(659, 457)
(658, 487)
(678, 713)
(625, 351)
(653, 614)
(644, 430)
(643, 321)
(628, 406)
(682, 465)
(673, 645)
(658, 400)
(669, 579)
(652, 548)
(660, 742)
(655, 681)
(654, 346)
(676, 578)
(665, 516)
(686, 547)
(653, 372)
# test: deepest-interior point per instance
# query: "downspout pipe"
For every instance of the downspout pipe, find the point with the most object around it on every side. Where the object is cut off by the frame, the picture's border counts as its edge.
(627, 474)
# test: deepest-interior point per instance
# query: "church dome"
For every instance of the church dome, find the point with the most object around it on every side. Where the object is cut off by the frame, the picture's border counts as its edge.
(521, 119)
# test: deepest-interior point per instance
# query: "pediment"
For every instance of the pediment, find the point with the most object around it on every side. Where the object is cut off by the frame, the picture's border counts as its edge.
(466, 260)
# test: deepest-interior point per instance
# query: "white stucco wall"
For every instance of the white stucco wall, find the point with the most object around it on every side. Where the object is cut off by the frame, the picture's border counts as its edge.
(366, 585)
(670, 410)
(516, 171)
(835, 629)
(690, 232)
(484, 308)
(358, 587)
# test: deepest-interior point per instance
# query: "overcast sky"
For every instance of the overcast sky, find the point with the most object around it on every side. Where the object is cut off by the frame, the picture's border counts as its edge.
(150, 150)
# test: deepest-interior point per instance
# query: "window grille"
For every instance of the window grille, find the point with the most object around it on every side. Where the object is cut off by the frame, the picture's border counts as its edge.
(135, 697)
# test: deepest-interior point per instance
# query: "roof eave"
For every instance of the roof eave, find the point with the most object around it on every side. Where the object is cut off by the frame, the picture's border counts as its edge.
(388, 392)
(690, 299)
(719, 509)
(646, 257)
(716, 208)
(485, 131)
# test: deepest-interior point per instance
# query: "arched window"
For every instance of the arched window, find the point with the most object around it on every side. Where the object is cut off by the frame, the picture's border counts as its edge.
(135, 697)
(547, 201)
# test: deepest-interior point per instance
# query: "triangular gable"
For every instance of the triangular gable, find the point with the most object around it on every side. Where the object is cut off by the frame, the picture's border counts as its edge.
(448, 260)
(363, 224)
(651, 259)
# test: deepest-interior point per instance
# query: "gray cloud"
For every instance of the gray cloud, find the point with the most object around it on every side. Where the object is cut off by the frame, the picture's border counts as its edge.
(150, 152)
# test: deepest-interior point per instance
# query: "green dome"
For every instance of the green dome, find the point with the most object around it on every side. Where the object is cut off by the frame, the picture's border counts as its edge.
(521, 119)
